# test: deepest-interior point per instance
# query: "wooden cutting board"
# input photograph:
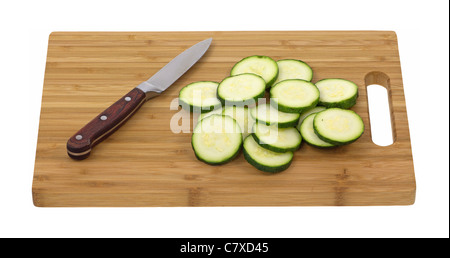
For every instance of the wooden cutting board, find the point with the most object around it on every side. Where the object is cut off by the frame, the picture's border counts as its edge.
(146, 164)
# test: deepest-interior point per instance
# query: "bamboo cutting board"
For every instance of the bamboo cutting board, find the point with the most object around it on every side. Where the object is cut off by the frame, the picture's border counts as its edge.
(144, 163)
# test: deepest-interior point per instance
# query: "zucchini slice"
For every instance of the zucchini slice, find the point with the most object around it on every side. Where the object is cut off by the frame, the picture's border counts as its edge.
(269, 115)
(217, 139)
(241, 89)
(276, 139)
(263, 66)
(294, 95)
(338, 93)
(264, 159)
(199, 97)
(293, 69)
(338, 126)
(307, 131)
(242, 117)
(308, 112)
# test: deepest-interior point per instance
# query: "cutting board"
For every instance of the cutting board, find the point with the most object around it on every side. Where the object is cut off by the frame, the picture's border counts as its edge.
(145, 163)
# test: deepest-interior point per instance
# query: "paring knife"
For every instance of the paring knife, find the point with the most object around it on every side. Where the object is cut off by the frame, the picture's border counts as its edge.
(79, 146)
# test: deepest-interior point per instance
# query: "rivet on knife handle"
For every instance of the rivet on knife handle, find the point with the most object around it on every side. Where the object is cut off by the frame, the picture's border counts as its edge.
(79, 146)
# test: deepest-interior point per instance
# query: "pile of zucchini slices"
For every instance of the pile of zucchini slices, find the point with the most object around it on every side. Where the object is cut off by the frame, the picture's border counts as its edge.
(235, 115)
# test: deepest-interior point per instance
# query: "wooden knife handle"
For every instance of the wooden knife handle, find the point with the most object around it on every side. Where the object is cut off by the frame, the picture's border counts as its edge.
(79, 146)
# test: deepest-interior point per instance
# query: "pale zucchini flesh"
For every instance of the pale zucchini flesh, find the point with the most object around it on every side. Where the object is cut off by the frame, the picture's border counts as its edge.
(241, 89)
(308, 112)
(294, 95)
(199, 97)
(264, 159)
(337, 92)
(309, 136)
(216, 111)
(242, 117)
(338, 126)
(263, 66)
(293, 69)
(276, 139)
(217, 139)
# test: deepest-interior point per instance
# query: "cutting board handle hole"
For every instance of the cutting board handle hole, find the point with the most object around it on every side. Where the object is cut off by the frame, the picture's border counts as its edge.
(379, 101)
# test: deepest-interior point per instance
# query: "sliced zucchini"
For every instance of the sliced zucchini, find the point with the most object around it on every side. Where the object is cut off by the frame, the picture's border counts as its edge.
(263, 66)
(269, 115)
(293, 69)
(241, 89)
(217, 111)
(199, 97)
(217, 139)
(294, 95)
(242, 117)
(307, 131)
(308, 112)
(338, 126)
(276, 139)
(264, 159)
(338, 93)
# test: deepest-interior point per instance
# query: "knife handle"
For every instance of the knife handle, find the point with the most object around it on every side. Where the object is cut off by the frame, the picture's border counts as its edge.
(79, 146)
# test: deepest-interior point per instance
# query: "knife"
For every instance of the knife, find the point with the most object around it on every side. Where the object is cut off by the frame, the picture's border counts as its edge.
(79, 146)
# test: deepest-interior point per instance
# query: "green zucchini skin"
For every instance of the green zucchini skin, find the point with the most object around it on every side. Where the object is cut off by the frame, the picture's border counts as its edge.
(247, 102)
(280, 125)
(196, 109)
(345, 103)
(215, 163)
(269, 82)
(216, 111)
(273, 146)
(288, 109)
(261, 167)
(286, 124)
(333, 141)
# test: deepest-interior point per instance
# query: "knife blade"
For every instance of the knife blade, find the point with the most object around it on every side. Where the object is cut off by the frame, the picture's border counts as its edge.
(80, 145)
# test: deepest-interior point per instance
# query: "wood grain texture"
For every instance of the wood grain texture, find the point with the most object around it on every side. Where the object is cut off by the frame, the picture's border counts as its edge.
(145, 164)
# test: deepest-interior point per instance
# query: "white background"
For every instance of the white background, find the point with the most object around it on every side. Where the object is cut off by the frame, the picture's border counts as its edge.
(422, 29)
